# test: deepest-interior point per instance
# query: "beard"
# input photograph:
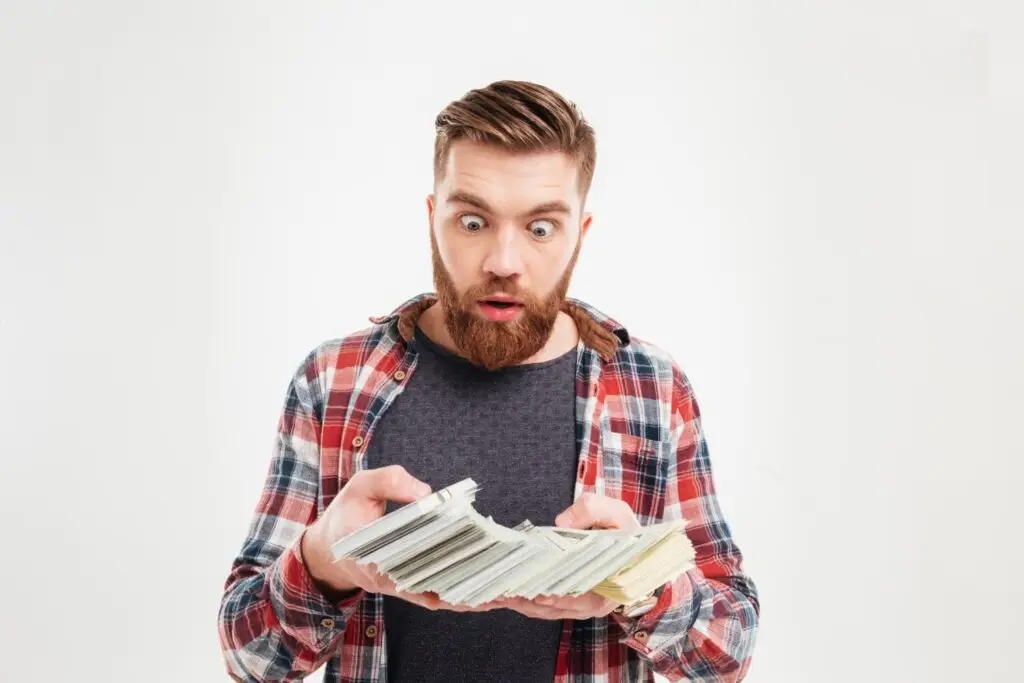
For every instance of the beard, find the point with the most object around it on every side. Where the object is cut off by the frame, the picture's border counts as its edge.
(493, 344)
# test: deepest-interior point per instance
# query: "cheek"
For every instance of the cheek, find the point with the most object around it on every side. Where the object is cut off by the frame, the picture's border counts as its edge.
(548, 268)
(460, 264)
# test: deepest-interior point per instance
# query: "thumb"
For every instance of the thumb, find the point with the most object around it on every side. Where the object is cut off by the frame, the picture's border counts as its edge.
(392, 483)
(565, 519)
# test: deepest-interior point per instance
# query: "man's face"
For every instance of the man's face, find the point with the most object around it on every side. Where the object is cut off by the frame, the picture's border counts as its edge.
(505, 233)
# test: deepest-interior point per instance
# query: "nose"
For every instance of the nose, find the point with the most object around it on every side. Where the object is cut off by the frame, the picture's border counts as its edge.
(504, 255)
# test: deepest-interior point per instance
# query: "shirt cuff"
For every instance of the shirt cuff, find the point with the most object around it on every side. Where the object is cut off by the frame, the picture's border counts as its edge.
(303, 610)
(670, 619)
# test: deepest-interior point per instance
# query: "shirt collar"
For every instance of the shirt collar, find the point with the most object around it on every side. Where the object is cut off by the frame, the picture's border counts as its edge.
(597, 330)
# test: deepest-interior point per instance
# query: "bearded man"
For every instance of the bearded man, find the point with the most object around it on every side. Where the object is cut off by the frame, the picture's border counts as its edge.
(551, 406)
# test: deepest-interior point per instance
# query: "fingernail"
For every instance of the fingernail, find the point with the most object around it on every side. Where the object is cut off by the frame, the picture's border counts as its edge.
(422, 490)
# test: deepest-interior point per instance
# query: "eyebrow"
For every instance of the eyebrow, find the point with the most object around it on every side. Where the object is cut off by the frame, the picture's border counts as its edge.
(463, 197)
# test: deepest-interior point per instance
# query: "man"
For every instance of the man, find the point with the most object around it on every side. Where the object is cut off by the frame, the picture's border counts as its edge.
(549, 405)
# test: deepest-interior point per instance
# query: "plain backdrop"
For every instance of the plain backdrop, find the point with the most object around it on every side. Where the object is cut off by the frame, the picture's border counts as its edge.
(814, 206)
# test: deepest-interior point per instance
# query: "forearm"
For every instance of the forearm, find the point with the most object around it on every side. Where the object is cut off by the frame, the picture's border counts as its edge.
(275, 622)
(704, 625)
(701, 629)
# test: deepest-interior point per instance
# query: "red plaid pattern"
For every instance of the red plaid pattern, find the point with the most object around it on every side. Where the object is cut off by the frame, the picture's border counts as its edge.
(639, 436)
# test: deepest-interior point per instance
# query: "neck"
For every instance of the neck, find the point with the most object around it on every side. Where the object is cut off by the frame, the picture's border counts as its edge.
(564, 335)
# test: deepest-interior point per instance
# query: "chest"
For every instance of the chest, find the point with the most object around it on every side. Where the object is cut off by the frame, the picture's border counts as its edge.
(514, 434)
(616, 439)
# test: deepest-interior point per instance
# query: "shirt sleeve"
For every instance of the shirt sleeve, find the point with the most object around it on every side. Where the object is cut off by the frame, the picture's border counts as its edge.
(703, 626)
(274, 623)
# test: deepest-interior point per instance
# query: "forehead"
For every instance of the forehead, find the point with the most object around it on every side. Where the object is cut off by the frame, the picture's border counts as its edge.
(510, 180)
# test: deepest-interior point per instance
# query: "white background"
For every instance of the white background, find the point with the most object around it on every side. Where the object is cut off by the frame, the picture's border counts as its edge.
(815, 206)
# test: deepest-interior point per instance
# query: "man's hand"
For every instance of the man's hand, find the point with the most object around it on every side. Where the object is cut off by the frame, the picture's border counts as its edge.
(362, 500)
(590, 511)
(585, 606)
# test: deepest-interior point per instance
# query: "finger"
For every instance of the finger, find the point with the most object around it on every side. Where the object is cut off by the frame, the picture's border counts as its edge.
(429, 601)
(432, 602)
(384, 584)
(533, 609)
(581, 603)
(530, 609)
(466, 608)
(550, 613)
(590, 604)
(389, 483)
(486, 607)
(421, 599)
(599, 606)
(594, 511)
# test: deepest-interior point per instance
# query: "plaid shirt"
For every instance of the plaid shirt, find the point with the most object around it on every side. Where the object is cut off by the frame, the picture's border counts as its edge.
(639, 437)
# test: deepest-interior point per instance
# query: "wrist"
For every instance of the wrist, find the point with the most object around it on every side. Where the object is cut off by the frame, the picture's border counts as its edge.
(327, 574)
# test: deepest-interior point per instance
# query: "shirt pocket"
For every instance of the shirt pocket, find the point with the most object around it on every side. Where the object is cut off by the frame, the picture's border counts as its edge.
(635, 471)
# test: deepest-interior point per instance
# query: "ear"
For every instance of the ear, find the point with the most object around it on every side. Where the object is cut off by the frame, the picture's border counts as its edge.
(430, 209)
(585, 224)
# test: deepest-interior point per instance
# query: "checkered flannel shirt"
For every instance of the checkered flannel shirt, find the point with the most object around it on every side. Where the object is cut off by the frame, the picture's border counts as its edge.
(639, 438)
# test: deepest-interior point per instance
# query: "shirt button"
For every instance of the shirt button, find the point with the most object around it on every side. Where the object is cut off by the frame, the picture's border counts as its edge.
(357, 442)
(327, 622)
(641, 636)
(400, 375)
(371, 631)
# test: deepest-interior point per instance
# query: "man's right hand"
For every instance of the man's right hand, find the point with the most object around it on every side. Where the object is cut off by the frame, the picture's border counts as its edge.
(362, 500)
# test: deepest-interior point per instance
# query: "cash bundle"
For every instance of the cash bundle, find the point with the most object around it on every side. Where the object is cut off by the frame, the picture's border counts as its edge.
(440, 544)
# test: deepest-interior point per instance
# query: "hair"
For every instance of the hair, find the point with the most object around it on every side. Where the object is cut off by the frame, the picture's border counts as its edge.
(518, 116)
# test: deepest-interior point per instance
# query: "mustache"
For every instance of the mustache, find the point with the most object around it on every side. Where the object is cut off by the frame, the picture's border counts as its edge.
(505, 286)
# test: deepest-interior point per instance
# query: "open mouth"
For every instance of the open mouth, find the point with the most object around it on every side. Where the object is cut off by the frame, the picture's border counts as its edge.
(500, 304)
(500, 309)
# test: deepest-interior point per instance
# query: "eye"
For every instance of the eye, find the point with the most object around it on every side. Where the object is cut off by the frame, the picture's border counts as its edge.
(542, 229)
(472, 222)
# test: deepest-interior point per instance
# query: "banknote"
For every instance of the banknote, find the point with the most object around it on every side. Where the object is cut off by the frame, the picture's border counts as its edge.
(441, 544)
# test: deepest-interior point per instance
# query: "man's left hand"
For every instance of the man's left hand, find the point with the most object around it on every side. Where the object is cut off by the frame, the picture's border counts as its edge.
(590, 511)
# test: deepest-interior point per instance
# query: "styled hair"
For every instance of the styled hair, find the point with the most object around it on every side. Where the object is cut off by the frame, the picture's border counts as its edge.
(518, 116)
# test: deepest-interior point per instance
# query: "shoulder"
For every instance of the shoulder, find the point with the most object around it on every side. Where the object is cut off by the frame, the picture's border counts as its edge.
(656, 361)
(645, 358)
(353, 349)
(634, 358)
(652, 394)
(648, 370)
(337, 361)
(647, 361)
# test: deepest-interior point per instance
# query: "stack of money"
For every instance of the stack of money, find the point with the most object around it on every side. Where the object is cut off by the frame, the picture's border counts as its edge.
(441, 544)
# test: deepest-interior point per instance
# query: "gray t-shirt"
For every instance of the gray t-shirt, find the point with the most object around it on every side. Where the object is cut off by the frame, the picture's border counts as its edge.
(513, 432)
